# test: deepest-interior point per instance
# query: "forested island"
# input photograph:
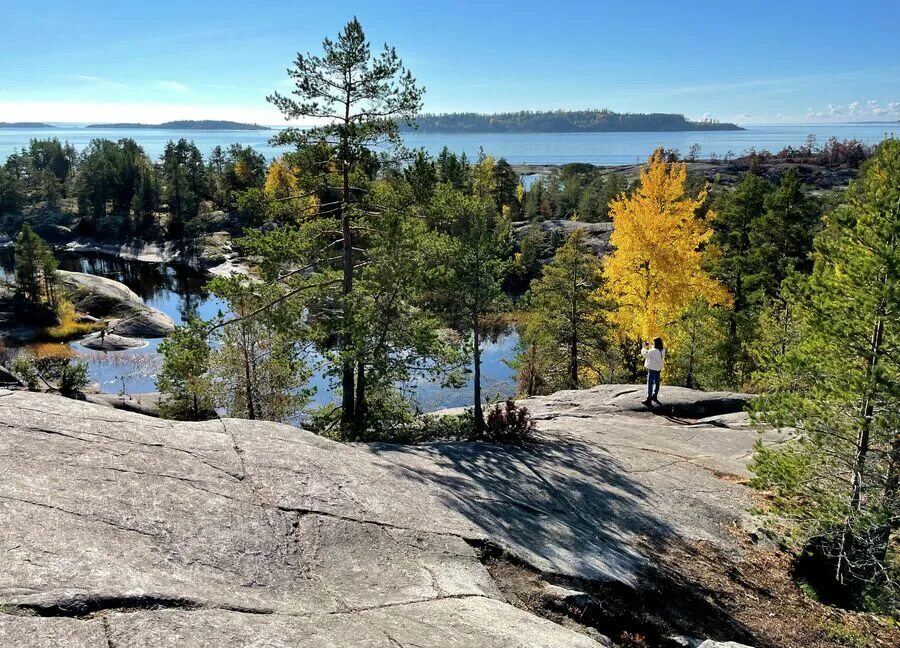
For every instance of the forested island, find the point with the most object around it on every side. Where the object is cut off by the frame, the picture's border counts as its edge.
(25, 125)
(188, 124)
(564, 121)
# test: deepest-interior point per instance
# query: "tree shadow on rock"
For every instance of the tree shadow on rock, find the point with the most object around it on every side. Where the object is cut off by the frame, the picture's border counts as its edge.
(570, 511)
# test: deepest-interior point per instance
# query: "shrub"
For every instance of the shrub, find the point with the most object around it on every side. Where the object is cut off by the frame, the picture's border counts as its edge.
(57, 371)
(508, 423)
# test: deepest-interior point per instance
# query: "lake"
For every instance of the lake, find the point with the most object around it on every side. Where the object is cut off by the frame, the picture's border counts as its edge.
(517, 148)
(179, 292)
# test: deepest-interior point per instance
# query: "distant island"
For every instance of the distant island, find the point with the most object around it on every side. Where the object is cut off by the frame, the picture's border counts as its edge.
(564, 121)
(188, 124)
(25, 125)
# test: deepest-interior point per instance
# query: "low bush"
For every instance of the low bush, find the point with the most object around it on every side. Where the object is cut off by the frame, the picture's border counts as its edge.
(508, 423)
(59, 372)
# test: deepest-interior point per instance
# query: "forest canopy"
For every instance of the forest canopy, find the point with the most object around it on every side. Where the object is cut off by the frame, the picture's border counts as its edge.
(564, 121)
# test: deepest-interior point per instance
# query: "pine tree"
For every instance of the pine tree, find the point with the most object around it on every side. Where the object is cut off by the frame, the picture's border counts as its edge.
(362, 97)
(475, 261)
(184, 376)
(781, 238)
(35, 268)
(259, 366)
(566, 317)
(838, 482)
(737, 217)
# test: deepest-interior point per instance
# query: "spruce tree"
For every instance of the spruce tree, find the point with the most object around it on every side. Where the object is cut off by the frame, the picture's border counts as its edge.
(836, 483)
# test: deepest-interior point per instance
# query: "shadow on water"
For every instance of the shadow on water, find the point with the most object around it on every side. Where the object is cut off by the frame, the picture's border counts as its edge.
(567, 512)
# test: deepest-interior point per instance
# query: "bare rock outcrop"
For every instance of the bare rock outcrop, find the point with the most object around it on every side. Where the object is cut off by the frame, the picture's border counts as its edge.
(106, 298)
(123, 530)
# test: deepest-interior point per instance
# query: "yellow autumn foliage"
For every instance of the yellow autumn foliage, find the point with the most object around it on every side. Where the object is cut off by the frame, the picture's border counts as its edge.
(282, 185)
(280, 181)
(657, 264)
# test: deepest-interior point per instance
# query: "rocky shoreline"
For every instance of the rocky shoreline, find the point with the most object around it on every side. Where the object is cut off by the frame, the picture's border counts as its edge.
(728, 174)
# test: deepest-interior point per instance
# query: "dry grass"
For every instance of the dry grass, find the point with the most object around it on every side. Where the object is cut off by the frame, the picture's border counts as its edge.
(68, 328)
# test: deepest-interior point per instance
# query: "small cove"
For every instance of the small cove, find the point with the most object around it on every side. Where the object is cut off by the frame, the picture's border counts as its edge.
(179, 291)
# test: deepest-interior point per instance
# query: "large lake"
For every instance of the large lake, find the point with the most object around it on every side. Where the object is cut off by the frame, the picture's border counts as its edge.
(520, 148)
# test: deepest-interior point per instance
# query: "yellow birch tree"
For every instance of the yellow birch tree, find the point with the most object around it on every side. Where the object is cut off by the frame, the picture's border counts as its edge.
(656, 267)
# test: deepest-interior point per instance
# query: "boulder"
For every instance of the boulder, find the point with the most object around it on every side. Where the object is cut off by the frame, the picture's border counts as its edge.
(146, 323)
(99, 296)
(111, 342)
(141, 403)
(105, 298)
(118, 529)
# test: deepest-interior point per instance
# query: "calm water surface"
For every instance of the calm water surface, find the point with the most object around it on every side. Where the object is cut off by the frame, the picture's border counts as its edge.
(517, 148)
(179, 292)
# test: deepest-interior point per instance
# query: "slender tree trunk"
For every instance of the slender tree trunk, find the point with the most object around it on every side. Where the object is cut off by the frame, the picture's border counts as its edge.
(689, 381)
(573, 351)
(248, 377)
(348, 400)
(476, 355)
(863, 442)
(360, 412)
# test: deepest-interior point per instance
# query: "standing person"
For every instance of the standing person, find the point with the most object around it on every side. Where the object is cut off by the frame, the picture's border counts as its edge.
(654, 356)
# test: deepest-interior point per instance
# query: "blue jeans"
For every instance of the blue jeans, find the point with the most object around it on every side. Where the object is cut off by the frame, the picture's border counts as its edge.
(652, 384)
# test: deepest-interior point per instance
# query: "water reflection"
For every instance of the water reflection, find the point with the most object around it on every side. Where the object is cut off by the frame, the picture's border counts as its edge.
(179, 292)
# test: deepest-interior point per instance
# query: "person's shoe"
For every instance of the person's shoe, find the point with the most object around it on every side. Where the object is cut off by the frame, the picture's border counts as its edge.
(656, 400)
(648, 402)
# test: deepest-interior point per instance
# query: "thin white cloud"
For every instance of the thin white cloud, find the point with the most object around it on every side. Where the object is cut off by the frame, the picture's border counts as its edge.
(170, 86)
(97, 82)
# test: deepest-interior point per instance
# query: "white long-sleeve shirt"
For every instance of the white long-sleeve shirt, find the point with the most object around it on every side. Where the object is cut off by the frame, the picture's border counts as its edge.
(653, 358)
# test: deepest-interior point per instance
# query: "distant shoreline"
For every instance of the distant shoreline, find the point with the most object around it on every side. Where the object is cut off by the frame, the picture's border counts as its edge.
(187, 125)
(563, 121)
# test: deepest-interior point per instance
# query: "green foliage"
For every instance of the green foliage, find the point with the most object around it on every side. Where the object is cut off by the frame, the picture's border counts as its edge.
(114, 178)
(575, 190)
(782, 237)
(565, 322)
(184, 184)
(59, 372)
(838, 386)
(696, 338)
(259, 369)
(35, 268)
(184, 376)
(737, 214)
(12, 196)
(360, 97)
(474, 264)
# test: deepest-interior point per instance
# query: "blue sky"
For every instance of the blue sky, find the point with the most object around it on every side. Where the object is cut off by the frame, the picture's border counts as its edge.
(751, 62)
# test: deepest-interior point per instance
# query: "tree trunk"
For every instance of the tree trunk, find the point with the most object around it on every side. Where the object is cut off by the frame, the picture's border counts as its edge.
(360, 412)
(248, 388)
(348, 399)
(476, 355)
(862, 444)
(573, 351)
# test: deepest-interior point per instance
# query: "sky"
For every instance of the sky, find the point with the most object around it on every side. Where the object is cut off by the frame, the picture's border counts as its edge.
(750, 62)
